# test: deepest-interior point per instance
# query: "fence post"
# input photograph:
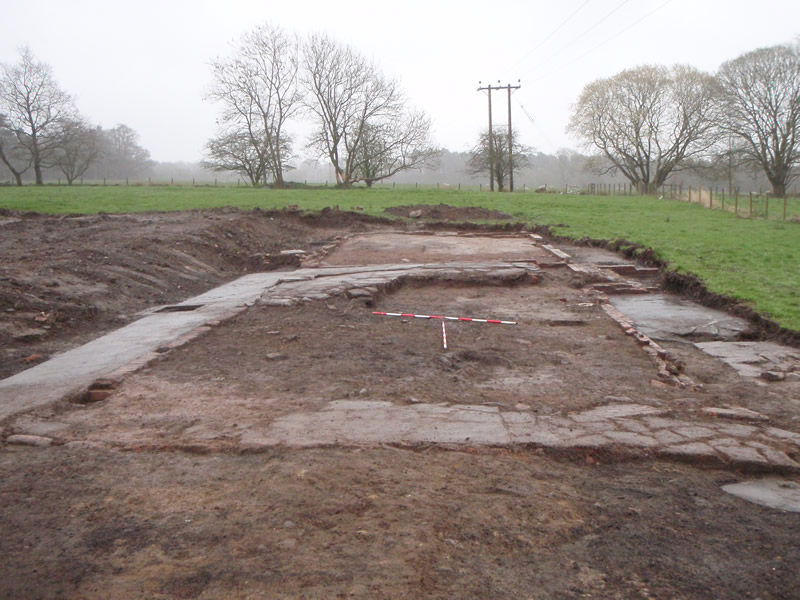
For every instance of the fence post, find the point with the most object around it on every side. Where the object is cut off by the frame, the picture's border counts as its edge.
(723, 198)
(766, 207)
(710, 197)
(690, 194)
(736, 207)
(751, 206)
(784, 207)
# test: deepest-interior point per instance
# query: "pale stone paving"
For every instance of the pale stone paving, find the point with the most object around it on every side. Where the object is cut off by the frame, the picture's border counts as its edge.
(631, 425)
(617, 426)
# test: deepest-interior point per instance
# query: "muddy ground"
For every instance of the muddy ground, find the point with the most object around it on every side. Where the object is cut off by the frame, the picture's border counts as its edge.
(153, 498)
(65, 279)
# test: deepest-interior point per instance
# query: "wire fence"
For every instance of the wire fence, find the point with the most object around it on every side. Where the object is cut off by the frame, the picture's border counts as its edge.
(754, 205)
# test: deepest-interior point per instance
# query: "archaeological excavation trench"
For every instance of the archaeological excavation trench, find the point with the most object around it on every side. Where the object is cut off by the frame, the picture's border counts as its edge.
(300, 359)
(274, 436)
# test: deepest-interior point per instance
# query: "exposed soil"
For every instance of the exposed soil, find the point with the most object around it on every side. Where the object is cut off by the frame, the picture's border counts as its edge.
(66, 279)
(151, 500)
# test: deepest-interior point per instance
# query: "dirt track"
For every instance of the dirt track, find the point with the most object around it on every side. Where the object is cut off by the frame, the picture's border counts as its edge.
(174, 512)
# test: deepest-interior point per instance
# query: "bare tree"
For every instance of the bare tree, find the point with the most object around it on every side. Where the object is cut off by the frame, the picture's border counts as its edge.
(78, 147)
(34, 106)
(12, 154)
(363, 126)
(236, 153)
(395, 145)
(258, 91)
(760, 95)
(479, 159)
(647, 121)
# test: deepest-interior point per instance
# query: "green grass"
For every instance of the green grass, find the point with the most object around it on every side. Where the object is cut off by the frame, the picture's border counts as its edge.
(754, 261)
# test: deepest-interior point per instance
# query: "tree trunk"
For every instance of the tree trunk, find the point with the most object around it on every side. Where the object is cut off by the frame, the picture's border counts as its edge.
(778, 189)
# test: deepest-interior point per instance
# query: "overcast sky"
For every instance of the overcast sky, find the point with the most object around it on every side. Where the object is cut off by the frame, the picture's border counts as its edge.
(146, 63)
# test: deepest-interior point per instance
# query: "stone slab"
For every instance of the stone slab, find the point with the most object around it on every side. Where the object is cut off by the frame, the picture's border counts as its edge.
(751, 359)
(780, 494)
(666, 317)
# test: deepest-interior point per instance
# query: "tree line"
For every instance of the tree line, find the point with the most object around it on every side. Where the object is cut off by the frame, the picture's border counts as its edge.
(362, 123)
(41, 130)
(645, 124)
(648, 122)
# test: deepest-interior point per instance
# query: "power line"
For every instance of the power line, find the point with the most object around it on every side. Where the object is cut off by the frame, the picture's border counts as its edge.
(600, 22)
(556, 30)
(535, 126)
(616, 35)
(629, 27)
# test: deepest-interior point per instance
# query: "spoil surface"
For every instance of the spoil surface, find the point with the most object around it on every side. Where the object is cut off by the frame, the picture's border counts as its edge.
(187, 481)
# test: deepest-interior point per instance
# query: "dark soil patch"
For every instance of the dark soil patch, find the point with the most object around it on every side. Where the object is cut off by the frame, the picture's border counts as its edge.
(64, 280)
(382, 523)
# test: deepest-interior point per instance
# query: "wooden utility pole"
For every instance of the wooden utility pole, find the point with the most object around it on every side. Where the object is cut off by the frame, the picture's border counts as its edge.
(491, 140)
(509, 87)
(489, 88)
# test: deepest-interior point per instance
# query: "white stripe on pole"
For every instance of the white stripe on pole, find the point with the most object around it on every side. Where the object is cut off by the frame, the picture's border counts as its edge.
(467, 319)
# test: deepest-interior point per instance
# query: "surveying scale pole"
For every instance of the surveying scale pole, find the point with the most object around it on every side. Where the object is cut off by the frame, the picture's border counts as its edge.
(443, 319)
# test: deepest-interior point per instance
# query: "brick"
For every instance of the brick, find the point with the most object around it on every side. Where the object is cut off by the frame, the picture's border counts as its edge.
(737, 430)
(782, 434)
(29, 440)
(591, 441)
(632, 425)
(735, 412)
(667, 437)
(743, 454)
(616, 411)
(779, 458)
(632, 439)
(694, 432)
(691, 450)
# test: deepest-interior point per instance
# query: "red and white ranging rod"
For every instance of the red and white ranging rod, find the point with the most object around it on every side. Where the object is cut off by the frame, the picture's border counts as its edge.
(443, 319)
(499, 322)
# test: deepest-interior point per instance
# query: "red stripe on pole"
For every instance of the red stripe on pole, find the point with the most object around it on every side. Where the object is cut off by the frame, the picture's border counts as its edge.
(469, 319)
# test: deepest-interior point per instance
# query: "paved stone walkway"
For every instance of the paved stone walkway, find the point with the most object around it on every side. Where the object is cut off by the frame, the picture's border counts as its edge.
(133, 346)
(619, 425)
(616, 425)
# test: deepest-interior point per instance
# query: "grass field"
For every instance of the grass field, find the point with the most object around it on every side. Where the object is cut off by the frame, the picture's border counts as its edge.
(754, 261)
